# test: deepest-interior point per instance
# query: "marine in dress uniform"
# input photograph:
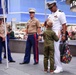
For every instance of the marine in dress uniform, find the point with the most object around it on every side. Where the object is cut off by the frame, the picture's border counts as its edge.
(2, 42)
(59, 22)
(10, 34)
(49, 37)
(32, 41)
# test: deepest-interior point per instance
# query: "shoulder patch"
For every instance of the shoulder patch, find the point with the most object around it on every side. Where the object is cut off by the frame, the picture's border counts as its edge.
(60, 11)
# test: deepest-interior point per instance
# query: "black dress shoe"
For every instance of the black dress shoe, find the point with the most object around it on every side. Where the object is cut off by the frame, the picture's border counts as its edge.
(12, 61)
(0, 62)
(35, 63)
(23, 63)
(4, 57)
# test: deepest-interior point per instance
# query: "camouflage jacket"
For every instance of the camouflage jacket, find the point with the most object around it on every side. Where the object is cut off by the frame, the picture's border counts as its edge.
(49, 37)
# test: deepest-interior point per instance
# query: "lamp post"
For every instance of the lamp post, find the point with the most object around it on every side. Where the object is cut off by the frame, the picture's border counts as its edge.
(13, 23)
(4, 14)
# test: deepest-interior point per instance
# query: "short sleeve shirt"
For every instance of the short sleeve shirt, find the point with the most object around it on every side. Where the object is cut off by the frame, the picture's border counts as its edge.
(33, 25)
(58, 19)
(2, 30)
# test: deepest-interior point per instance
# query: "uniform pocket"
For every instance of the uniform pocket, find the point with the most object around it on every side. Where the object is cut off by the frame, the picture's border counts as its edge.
(33, 24)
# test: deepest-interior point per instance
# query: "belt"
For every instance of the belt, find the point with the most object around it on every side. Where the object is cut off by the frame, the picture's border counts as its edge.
(31, 33)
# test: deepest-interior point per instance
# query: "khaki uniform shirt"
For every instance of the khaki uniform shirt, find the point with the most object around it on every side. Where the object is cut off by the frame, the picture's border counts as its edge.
(33, 25)
(2, 30)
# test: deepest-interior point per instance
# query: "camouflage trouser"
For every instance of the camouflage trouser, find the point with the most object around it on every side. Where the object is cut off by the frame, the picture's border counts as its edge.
(48, 54)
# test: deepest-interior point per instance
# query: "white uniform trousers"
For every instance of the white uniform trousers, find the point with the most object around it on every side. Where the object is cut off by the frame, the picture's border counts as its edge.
(58, 63)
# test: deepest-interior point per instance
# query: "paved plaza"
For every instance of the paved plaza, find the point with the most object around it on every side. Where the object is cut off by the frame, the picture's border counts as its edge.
(30, 69)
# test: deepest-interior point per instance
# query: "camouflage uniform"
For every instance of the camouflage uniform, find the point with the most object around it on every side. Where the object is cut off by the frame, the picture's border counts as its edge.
(49, 37)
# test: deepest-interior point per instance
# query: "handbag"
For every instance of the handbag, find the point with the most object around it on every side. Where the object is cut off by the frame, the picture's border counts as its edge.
(66, 56)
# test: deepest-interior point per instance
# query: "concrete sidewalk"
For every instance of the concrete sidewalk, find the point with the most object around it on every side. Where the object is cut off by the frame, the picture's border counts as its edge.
(30, 69)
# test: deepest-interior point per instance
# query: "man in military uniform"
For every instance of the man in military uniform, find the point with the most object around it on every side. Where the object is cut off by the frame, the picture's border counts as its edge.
(10, 35)
(49, 37)
(2, 41)
(32, 41)
(59, 22)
